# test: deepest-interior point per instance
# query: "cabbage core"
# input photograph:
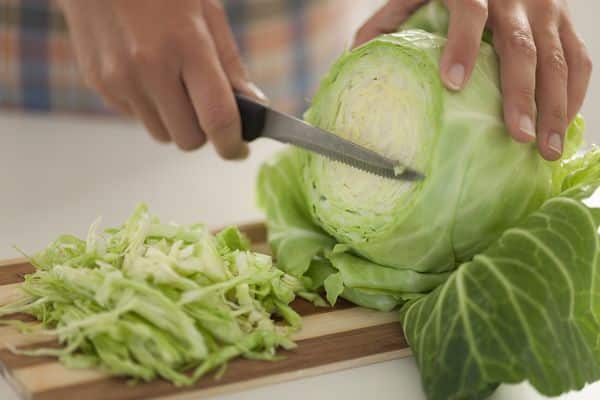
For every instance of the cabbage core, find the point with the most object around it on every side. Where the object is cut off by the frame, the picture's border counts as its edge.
(381, 102)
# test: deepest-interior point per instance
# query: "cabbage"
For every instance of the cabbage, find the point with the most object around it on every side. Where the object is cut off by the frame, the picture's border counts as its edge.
(492, 258)
(151, 299)
(387, 96)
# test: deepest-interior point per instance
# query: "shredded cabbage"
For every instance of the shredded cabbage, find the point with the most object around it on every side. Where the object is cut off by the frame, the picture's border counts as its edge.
(151, 300)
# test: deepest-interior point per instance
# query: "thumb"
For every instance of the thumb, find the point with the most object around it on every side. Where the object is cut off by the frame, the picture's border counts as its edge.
(386, 20)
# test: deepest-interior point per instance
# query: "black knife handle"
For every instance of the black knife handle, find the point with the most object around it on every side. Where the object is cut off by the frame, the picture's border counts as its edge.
(253, 115)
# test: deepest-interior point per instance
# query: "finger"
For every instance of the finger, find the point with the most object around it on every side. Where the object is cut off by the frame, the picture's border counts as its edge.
(213, 100)
(104, 84)
(551, 90)
(387, 19)
(115, 103)
(580, 69)
(176, 111)
(516, 50)
(228, 51)
(145, 111)
(467, 22)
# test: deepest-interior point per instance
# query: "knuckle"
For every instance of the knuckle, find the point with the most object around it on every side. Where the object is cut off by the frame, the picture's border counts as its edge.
(196, 48)
(191, 33)
(546, 9)
(145, 56)
(555, 61)
(477, 8)
(115, 74)
(221, 120)
(588, 64)
(540, 4)
(521, 41)
(586, 61)
(91, 78)
(152, 64)
(558, 114)
(231, 59)
(525, 94)
(217, 7)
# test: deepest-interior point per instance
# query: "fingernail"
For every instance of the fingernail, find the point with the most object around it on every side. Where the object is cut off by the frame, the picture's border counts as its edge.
(456, 76)
(526, 126)
(257, 92)
(555, 142)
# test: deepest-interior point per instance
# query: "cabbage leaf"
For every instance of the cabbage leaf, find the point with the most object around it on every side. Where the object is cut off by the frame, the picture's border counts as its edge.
(527, 308)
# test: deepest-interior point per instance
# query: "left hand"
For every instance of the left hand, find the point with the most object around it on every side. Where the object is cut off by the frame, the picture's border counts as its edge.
(544, 65)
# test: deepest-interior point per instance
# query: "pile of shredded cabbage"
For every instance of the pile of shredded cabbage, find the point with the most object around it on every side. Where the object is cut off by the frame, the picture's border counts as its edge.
(151, 300)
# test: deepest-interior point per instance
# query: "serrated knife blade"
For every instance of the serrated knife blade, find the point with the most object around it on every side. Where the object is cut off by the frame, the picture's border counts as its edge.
(259, 120)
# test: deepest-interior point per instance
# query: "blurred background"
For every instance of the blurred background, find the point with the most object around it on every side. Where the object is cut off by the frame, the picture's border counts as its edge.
(583, 13)
(287, 44)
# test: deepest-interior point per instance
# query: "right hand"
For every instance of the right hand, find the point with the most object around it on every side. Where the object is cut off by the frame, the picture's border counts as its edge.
(172, 64)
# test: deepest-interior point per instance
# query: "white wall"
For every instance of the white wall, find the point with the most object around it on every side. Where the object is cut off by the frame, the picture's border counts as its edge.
(585, 14)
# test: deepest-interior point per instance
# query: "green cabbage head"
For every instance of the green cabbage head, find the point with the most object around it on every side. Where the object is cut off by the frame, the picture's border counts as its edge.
(480, 255)
(387, 96)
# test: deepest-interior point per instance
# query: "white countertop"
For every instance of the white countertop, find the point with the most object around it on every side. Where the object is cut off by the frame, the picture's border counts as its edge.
(57, 174)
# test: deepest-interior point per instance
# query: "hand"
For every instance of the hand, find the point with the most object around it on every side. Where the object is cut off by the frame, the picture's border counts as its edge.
(544, 64)
(172, 64)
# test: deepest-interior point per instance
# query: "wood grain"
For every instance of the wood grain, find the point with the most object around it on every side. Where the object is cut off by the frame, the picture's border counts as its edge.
(11, 262)
(288, 376)
(13, 273)
(12, 337)
(347, 349)
(11, 293)
(331, 339)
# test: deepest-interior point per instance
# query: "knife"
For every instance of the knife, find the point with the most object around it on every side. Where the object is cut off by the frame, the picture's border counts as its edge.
(259, 120)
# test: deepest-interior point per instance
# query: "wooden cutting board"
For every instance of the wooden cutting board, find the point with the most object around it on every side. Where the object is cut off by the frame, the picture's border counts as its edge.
(331, 339)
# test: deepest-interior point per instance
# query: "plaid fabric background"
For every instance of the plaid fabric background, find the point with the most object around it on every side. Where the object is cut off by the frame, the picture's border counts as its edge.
(287, 45)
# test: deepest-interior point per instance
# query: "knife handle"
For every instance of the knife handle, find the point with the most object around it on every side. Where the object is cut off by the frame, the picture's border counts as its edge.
(252, 115)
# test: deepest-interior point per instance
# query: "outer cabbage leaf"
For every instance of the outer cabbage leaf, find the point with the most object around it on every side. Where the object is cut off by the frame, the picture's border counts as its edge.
(528, 308)
(295, 239)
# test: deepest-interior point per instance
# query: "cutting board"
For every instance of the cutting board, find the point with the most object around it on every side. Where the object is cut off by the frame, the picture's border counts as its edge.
(331, 339)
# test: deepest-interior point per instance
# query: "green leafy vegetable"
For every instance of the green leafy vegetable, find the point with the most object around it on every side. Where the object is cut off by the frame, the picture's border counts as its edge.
(526, 308)
(491, 259)
(386, 95)
(150, 299)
